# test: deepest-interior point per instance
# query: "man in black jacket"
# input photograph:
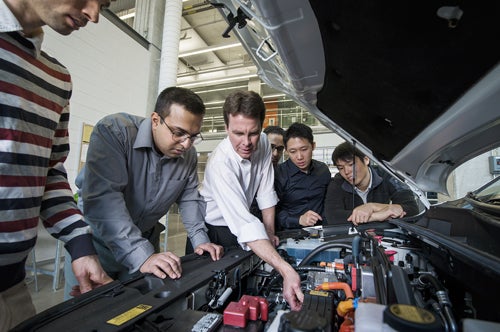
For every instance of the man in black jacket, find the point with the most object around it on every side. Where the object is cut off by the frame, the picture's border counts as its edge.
(359, 194)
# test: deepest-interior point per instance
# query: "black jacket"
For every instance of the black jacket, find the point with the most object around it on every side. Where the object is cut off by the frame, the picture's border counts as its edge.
(341, 198)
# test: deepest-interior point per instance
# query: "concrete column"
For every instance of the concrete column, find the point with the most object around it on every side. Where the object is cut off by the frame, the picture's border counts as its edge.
(170, 44)
(142, 18)
(148, 23)
(254, 85)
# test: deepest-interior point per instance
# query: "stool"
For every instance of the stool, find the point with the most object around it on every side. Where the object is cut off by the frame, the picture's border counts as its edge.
(165, 234)
(37, 267)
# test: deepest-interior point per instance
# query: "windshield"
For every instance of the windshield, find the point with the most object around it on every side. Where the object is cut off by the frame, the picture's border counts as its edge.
(486, 198)
(489, 194)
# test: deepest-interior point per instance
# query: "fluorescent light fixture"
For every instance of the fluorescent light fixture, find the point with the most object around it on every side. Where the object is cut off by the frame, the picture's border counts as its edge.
(208, 49)
(274, 96)
(129, 15)
(218, 81)
(222, 89)
(217, 102)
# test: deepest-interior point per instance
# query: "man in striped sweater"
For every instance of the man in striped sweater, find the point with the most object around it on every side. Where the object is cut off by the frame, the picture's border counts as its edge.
(34, 114)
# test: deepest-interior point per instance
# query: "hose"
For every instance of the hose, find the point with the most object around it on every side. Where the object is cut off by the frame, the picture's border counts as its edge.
(442, 298)
(326, 246)
(337, 285)
(355, 250)
(310, 268)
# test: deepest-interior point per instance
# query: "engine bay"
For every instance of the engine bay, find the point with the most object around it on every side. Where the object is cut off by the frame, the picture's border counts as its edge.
(374, 279)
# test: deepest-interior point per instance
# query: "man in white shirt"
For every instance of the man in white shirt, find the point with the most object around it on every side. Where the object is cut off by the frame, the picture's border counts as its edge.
(238, 170)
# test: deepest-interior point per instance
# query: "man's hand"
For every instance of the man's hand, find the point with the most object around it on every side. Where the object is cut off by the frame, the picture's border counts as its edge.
(291, 280)
(391, 211)
(292, 291)
(361, 214)
(89, 273)
(375, 212)
(163, 264)
(310, 218)
(216, 251)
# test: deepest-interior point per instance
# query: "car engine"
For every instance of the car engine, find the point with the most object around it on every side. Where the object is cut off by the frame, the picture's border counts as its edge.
(374, 279)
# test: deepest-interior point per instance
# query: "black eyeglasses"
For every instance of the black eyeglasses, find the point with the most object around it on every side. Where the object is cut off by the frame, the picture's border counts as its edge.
(180, 136)
(279, 148)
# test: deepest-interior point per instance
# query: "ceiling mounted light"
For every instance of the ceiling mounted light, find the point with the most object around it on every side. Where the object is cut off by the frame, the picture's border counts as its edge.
(208, 49)
(218, 81)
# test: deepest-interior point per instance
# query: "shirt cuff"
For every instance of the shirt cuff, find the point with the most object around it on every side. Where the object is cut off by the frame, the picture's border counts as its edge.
(251, 232)
(199, 238)
(80, 246)
(268, 200)
(136, 258)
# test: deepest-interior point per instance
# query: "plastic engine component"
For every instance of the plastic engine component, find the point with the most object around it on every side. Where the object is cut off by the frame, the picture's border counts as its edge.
(248, 308)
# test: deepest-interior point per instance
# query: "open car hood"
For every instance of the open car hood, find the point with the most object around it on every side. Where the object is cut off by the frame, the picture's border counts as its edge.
(416, 86)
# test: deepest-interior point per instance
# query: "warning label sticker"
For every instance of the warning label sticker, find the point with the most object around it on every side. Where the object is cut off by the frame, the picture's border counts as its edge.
(129, 314)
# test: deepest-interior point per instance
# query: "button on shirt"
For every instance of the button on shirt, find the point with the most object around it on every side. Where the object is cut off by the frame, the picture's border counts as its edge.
(300, 192)
(128, 186)
(230, 185)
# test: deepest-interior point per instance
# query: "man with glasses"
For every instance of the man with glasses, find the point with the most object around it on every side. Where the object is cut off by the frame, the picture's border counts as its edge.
(136, 168)
(275, 136)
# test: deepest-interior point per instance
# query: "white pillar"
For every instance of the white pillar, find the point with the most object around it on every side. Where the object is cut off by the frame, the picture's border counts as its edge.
(170, 44)
(254, 85)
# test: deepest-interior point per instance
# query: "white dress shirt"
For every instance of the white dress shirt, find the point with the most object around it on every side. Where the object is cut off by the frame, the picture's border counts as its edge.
(230, 185)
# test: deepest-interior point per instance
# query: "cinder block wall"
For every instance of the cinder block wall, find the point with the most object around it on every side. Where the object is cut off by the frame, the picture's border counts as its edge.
(110, 73)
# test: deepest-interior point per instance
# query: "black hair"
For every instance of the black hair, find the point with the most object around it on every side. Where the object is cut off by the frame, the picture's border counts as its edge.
(346, 152)
(299, 130)
(274, 130)
(182, 96)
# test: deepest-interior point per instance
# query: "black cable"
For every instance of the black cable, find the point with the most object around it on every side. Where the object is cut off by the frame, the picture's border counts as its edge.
(354, 176)
(443, 300)
(328, 245)
(310, 268)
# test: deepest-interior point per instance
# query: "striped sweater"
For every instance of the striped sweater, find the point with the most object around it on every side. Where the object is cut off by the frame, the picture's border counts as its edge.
(34, 114)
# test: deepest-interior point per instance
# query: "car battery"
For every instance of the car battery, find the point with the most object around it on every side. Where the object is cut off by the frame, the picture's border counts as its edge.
(299, 249)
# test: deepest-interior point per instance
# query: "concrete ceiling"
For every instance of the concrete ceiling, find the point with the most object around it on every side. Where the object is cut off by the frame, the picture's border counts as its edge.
(201, 29)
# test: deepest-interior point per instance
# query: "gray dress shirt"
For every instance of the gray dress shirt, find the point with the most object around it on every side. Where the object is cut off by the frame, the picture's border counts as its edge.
(128, 186)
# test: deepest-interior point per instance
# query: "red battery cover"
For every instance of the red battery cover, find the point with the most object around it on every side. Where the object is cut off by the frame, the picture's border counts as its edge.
(248, 308)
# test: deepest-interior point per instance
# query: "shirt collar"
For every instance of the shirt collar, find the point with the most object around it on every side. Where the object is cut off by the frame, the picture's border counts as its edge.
(144, 138)
(294, 169)
(8, 22)
(369, 184)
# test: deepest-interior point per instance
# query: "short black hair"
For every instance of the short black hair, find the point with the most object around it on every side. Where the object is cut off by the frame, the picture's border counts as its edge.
(300, 130)
(346, 152)
(182, 96)
(274, 130)
(246, 103)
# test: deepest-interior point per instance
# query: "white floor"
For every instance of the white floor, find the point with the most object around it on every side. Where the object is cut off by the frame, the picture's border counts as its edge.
(45, 250)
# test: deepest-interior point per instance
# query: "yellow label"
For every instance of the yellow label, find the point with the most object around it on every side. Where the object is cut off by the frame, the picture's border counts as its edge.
(128, 315)
(318, 293)
(412, 314)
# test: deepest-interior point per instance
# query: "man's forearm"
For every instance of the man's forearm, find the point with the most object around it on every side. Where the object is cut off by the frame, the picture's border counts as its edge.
(265, 250)
(268, 220)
